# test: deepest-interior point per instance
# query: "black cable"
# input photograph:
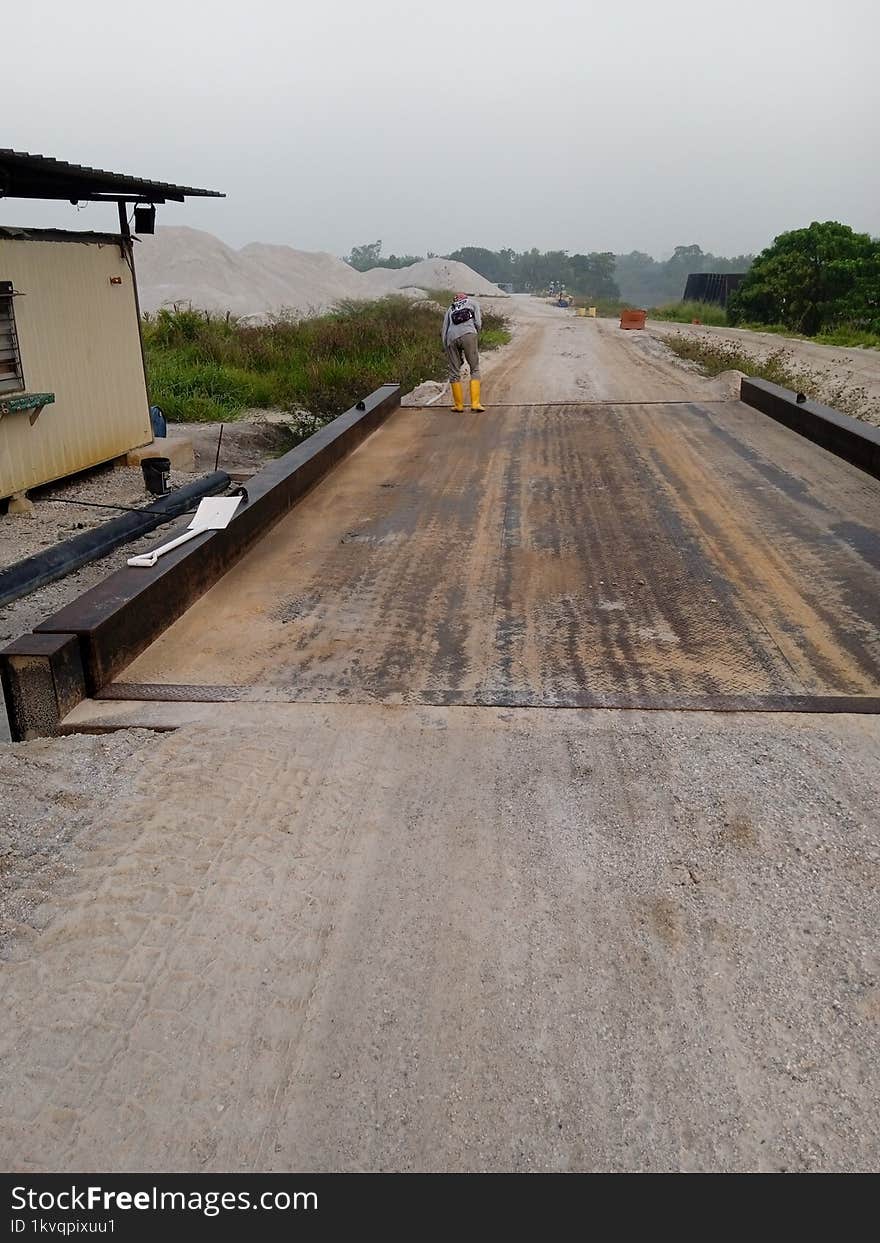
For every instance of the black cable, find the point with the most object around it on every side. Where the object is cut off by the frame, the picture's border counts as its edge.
(129, 509)
(238, 490)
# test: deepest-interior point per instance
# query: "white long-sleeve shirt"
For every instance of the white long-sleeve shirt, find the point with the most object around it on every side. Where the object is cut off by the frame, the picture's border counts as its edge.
(451, 332)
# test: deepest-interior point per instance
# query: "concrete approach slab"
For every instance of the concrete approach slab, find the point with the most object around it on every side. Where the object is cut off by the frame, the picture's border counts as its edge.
(361, 937)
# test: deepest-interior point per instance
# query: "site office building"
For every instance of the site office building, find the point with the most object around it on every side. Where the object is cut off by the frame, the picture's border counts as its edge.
(73, 390)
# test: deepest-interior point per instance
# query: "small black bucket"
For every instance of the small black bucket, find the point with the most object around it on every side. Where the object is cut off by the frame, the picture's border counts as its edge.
(156, 471)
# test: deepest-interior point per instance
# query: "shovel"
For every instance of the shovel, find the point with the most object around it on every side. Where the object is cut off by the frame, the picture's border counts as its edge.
(213, 514)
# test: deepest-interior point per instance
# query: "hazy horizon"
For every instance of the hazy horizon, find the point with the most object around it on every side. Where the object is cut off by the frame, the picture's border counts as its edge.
(584, 128)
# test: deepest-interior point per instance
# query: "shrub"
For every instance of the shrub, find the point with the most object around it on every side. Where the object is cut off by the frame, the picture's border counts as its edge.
(686, 312)
(205, 367)
(779, 367)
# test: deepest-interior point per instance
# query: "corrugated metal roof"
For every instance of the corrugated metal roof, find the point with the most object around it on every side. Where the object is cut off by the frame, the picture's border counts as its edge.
(13, 233)
(23, 175)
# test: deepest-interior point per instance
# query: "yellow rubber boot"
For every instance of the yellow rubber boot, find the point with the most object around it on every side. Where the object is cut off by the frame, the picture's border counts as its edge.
(458, 397)
(475, 396)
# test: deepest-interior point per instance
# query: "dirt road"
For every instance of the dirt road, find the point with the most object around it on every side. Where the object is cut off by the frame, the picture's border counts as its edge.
(556, 356)
(341, 919)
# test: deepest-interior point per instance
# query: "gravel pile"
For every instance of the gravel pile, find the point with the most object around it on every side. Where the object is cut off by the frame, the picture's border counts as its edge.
(181, 265)
(432, 274)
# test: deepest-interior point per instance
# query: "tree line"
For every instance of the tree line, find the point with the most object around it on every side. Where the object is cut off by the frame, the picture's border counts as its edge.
(811, 279)
(636, 277)
(591, 275)
(368, 256)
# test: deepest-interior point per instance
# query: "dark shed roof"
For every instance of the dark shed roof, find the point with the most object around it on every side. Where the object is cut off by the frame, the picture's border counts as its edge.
(27, 176)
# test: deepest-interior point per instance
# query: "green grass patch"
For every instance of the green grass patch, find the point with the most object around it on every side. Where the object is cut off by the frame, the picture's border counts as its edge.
(712, 357)
(843, 335)
(492, 338)
(687, 312)
(443, 297)
(209, 368)
(716, 317)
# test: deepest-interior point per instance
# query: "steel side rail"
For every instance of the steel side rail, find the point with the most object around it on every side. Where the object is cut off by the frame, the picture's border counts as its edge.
(850, 439)
(114, 621)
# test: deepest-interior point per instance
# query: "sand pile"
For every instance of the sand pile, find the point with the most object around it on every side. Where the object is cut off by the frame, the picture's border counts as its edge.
(175, 263)
(431, 274)
(181, 265)
(305, 280)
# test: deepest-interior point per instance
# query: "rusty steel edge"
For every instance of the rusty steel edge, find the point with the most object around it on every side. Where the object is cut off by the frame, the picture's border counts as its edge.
(850, 439)
(114, 621)
(399, 696)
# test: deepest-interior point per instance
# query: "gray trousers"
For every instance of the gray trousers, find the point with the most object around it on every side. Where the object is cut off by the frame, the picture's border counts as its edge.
(464, 348)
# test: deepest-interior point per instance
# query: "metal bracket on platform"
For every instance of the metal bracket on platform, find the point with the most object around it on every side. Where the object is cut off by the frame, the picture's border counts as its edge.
(31, 402)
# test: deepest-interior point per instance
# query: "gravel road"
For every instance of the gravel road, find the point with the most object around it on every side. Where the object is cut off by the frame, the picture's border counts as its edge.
(356, 936)
(330, 937)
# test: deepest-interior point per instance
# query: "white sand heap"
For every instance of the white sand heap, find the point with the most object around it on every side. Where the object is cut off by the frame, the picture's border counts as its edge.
(431, 274)
(180, 265)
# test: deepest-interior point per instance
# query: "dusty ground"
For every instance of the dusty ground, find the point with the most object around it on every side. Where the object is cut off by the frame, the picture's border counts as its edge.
(55, 520)
(832, 368)
(331, 937)
(362, 936)
(557, 356)
(53, 796)
(246, 445)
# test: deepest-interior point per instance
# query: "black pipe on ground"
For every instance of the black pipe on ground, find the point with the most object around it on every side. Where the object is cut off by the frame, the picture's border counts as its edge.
(62, 559)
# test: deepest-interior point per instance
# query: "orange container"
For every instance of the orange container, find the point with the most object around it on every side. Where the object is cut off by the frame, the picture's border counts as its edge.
(633, 319)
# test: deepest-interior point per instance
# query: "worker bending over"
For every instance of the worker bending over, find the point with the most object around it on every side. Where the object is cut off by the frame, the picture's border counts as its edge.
(461, 326)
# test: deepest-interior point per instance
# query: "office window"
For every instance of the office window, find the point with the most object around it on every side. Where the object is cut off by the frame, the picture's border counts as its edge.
(11, 376)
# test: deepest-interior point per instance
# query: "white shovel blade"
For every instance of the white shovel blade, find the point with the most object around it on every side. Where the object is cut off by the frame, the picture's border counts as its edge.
(214, 513)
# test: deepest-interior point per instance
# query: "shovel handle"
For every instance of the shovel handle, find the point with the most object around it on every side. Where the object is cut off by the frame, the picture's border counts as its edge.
(149, 559)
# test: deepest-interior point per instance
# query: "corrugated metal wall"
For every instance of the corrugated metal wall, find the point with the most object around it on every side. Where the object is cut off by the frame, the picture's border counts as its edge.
(78, 337)
(712, 286)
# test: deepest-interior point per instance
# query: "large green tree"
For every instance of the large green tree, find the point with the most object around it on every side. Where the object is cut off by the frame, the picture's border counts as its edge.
(811, 279)
(495, 265)
(370, 256)
(365, 257)
(593, 274)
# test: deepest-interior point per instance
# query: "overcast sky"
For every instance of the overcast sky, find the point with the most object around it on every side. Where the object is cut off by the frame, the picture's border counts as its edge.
(563, 123)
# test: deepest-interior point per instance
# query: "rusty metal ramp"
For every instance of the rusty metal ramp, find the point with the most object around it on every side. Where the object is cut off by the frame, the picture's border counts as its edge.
(667, 555)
